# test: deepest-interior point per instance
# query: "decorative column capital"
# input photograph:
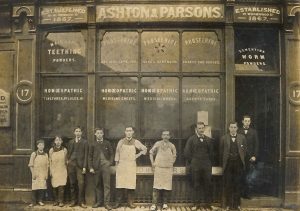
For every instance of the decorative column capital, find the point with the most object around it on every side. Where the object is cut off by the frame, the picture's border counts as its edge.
(24, 15)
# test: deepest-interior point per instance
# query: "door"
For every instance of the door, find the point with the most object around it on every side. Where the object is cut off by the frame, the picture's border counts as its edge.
(259, 97)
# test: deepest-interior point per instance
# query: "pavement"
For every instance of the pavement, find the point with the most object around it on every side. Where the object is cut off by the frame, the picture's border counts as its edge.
(140, 207)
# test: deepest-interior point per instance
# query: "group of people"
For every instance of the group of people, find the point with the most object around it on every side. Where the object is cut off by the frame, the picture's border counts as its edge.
(237, 151)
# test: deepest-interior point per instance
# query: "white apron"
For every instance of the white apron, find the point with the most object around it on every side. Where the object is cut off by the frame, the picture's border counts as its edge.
(40, 170)
(58, 169)
(163, 171)
(126, 169)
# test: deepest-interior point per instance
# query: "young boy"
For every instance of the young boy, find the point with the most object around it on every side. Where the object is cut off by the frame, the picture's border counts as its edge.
(38, 165)
(101, 157)
(77, 164)
(165, 156)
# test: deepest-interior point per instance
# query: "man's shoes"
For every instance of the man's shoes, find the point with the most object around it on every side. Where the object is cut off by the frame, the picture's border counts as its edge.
(41, 203)
(207, 207)
(73, 204)
(96, 205)
(195, 207)
(82, 205)
(31, 205)
(61, 204)
(246, 196)
(131, 205)
(107, 207)
(116, 205)
(153, 207)
(165, 207)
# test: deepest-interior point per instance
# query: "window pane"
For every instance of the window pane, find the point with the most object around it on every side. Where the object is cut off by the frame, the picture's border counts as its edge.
(200, 51)
(63, 52)
(159, 104)
(119, 51)
(63, 105)
(256, 50)
(116, 104)
(201, 102)
(160, 51)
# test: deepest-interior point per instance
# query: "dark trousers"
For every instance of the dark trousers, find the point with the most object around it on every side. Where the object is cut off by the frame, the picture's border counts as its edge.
(201, 179)
(76, 183)
(156, 193)
(128, 194)
(245, 185)
(58, 194)
(37, 196)
(232, 183)
(102, 176)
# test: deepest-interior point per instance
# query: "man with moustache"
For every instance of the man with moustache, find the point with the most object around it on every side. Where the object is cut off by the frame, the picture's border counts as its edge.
(199, 153)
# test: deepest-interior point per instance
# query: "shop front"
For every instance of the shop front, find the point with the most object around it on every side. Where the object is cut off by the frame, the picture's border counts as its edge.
(153, 66)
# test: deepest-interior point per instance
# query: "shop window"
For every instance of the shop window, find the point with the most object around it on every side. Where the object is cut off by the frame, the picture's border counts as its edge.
(119, 52)
(201, 102)
(63, 105)
(160, 106)
(160, 51)
(256, 50)
(201, 51)
(63, 52)
(117, 104)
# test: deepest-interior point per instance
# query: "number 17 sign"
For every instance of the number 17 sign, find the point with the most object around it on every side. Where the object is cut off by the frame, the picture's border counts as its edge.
(24, 92)
(294, 93)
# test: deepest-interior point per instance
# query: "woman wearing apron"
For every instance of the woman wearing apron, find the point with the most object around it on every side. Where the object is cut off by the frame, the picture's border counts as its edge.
(126, 166)
(38, 165)
(165, 153)
(58, 170)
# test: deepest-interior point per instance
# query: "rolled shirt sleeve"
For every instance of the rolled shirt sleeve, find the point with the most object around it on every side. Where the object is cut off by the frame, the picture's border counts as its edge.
(117, 155)
(140, 147)
(32, 157)
(153, 150)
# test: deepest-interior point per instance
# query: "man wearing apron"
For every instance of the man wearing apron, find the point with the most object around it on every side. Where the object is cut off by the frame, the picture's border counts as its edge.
(165, 153)
(125, 158)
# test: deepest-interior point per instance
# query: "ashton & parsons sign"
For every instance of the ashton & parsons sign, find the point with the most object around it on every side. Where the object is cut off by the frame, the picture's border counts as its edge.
(160, 13)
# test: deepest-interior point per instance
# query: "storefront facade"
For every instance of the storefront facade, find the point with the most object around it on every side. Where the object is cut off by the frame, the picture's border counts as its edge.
(153, 66)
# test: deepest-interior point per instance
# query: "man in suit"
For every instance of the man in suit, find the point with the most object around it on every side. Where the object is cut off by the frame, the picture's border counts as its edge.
(199, 154)
(77, 164)
(100, 159)
(252, 151)
(232, 153)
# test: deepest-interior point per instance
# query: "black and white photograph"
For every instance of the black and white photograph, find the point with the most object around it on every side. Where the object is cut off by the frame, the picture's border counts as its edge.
(150, 105)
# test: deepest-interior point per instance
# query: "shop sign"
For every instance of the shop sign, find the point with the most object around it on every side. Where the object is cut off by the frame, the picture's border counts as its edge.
(24, 92)
(4, 109)
(252, 59)
(257, 14)
(63, 14)
(294, 93)
(160, 13)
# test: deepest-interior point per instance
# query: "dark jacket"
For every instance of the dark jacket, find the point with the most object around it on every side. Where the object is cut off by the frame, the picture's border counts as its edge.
(82, 153)
(192, 154)
(94, 153)
(251, 140)
(225, 147)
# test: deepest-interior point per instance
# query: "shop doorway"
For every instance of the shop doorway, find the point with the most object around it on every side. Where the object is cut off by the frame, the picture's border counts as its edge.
(259, 97)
